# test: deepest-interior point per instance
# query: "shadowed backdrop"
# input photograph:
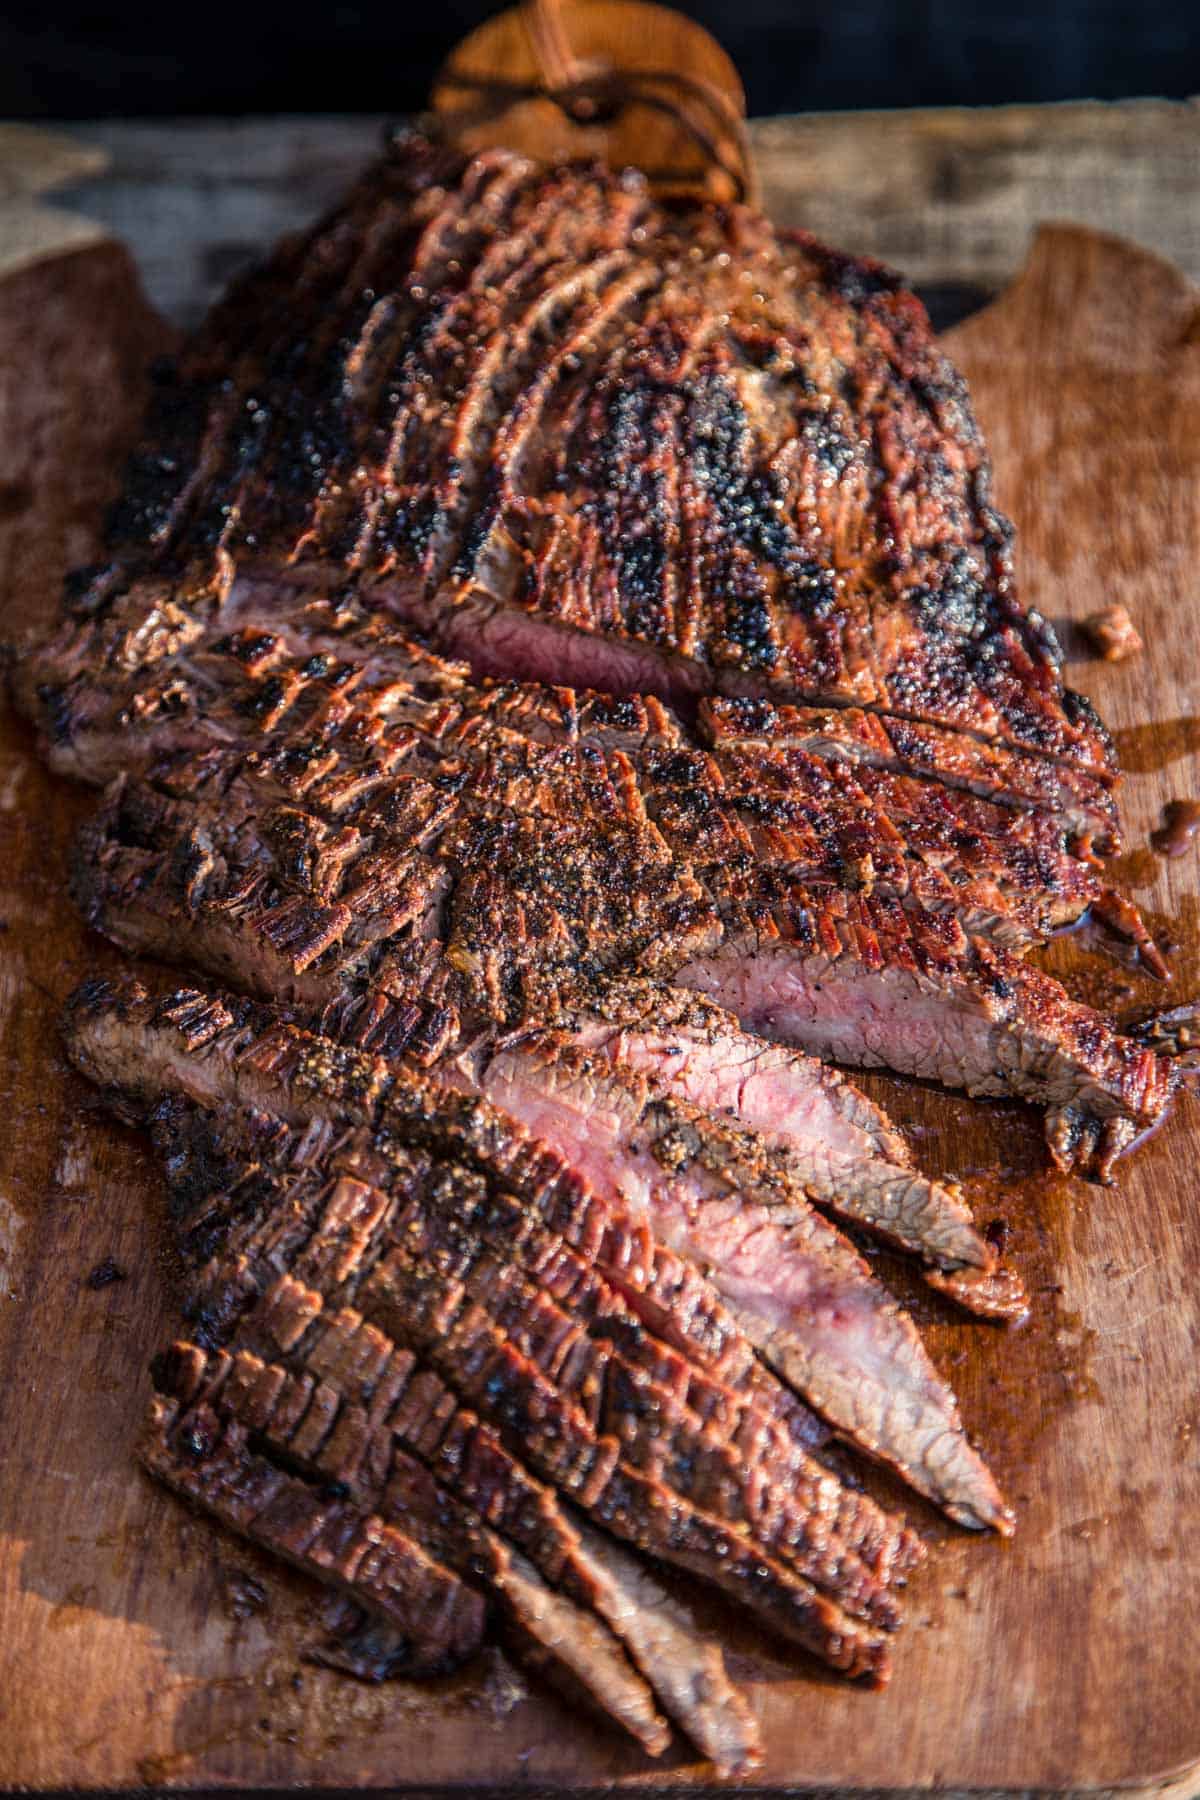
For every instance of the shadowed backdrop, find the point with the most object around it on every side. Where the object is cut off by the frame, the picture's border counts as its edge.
(88, 61)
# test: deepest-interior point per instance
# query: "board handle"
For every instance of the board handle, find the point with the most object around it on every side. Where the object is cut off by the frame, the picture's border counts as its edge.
(626, 81)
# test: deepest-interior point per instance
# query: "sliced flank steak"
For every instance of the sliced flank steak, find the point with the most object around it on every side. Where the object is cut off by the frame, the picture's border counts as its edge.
(581, 437)
(447, 1275)
(346, 841)
(797, 1291)
(556, 663)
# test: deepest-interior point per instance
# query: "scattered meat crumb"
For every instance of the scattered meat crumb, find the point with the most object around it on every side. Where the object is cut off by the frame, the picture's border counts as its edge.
(105, 1273)
(1181, 822)
(1113, 634)
(996, 1234)
(245, 1595)
(503, 1689)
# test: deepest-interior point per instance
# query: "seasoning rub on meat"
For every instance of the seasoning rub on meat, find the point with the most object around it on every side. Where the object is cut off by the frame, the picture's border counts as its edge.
(556, 669)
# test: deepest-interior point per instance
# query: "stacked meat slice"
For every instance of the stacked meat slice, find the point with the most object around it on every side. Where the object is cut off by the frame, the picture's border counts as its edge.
(413, 1325)
(513, 1200)
(373, 818)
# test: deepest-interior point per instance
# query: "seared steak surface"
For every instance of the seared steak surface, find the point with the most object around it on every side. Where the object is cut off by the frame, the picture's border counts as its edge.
(313, 825)
(381, 1273)
(589, 439)
(557, 661)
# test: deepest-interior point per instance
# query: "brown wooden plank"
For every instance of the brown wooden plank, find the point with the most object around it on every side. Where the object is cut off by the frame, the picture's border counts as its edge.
(949, 196)
(954, 195)
(34, 162)
(1064, 1662)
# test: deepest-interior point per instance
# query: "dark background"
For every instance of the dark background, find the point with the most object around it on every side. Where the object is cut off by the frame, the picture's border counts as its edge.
(87, 61)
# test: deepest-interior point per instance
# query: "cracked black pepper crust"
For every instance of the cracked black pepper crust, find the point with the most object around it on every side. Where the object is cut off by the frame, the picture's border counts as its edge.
(487, 386)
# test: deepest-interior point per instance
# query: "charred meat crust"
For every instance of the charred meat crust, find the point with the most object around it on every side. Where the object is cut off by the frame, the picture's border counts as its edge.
(668, 445)
(373, 1220)
(336, 825)
(509, 1224)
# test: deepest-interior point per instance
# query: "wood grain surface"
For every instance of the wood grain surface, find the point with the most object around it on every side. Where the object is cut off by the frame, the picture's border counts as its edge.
(953, 194)
(951, 197)
(140, 1646)
(32, 164)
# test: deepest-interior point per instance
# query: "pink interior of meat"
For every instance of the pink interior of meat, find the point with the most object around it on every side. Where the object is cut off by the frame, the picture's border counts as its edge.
(520, 646)
(833, 1330)
(866, 1018)
(772, 1090)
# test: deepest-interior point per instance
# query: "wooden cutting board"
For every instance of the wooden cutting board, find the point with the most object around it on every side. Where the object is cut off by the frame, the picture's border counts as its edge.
(140, 1646)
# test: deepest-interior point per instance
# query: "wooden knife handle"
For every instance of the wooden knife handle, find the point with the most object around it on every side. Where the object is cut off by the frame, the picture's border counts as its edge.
(627, 81)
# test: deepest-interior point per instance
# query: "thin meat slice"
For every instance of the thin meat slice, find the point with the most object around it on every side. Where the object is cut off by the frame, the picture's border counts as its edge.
(892, 1201)
(835, 1144)
(110, 694)
(1021, 859)
(276, 1406)
(798, 1290)
(688, 1670)
(857, 983)
(563, 1639)
(687, 1673)
(1082, 800)
(438, 1618)
(576, 1653)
